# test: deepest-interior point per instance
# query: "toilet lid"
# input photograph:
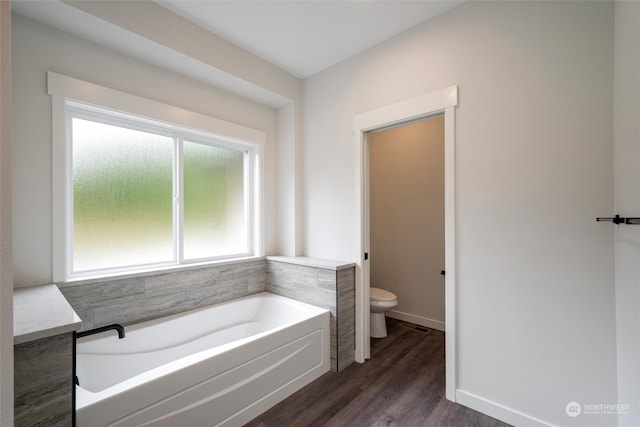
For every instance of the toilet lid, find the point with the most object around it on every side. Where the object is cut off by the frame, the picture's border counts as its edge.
(377, 294)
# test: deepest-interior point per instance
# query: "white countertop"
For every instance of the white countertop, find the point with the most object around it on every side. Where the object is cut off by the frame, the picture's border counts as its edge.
(41, 312)
(328, 264)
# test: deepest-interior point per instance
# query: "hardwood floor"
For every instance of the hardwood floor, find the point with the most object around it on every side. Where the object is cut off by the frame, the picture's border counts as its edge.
(401, 385)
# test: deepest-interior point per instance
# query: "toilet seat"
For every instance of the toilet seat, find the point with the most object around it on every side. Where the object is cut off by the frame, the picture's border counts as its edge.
(381, 295)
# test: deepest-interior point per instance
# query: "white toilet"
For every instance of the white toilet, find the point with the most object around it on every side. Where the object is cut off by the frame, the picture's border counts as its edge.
(380, 301)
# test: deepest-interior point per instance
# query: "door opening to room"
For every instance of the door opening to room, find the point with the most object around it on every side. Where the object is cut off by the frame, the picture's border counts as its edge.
(407, 221)
(439, 103)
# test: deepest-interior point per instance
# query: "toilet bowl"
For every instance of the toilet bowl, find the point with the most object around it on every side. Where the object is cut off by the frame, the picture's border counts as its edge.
(380, 301)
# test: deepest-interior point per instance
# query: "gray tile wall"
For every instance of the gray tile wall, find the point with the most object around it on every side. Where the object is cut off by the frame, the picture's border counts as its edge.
(43, 368)
(346, 325)
(136, 299)
(326, 288)
(42, 382)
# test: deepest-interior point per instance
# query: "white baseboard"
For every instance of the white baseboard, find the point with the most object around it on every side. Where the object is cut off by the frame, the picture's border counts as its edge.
(498, 411)
(418, 320)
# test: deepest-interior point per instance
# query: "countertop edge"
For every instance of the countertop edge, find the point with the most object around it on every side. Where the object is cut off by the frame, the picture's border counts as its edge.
(41, 312)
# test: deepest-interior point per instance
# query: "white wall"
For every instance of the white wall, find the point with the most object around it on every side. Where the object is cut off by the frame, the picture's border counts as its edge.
(535, 308)
(38, 48)
(407, 219)
(627, 203)
(6, 267)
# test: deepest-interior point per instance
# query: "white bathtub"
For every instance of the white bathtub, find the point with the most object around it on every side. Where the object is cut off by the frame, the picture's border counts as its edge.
(221, 365)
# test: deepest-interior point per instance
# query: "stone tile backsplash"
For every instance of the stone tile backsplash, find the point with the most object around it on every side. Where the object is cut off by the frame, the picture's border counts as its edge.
(136, 299)
(328, 288)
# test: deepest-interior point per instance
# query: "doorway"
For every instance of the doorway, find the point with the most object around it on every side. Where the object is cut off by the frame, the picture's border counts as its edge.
(406, 176)
(444, 102)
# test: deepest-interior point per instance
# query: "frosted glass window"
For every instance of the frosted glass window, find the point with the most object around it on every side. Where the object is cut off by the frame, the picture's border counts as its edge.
(145, 194)
(214, 201)
(122, 196)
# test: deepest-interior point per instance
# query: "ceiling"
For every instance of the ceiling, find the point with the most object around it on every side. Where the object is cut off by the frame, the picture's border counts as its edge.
(304, 37)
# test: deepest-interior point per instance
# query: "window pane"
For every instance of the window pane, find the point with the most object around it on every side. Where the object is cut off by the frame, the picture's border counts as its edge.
(122, 196)
(214, 201)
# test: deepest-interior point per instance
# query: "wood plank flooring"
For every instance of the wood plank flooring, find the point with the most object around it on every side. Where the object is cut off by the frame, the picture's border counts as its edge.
(402, 385)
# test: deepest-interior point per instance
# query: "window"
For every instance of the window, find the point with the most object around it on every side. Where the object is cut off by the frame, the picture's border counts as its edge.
(139, 193)
(122, 196)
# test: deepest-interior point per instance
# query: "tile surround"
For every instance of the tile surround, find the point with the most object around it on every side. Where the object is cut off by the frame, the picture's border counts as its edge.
(346, 327)
(136, 299)
(327, 284)
(42, 381)
(43, 366)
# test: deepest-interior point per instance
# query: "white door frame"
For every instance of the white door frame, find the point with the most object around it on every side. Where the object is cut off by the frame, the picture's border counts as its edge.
(429, 104)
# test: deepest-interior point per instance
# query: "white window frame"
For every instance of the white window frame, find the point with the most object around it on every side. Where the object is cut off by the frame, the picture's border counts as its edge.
(73, 95)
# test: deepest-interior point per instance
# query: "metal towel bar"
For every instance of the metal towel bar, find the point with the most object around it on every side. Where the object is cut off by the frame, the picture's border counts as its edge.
(619, 220)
